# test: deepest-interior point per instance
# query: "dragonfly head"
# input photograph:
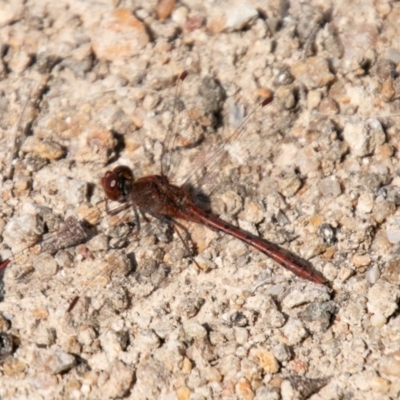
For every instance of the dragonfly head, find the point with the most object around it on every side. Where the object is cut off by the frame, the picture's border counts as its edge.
(117, 183)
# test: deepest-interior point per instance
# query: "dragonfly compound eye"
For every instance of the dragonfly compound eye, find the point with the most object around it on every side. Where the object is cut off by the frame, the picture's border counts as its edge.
(117, 183)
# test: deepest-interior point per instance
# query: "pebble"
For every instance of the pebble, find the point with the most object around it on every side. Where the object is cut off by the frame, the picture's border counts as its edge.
(13, 367)
(46, 149)
(92, 145)
(20, 62)
(330, 187)
(194, 330)
(314, 73)
(294, 331)
(22, 232)
(235, 17)
(190, 306)
(373, 274)
(244, 390)
(252, 371)
(392, 271)
(289, 183)
(365, 203)
(378, 320)
(317, 316)
(390, 365)
(45, 266)
(361, 260)
(111, 344)
(119, 36)
(297, 297)
(252, 212)
(281, 352)
(313, 99)
(383, 210)
(265, 359)
(164, 9)
(50, 361)
(383, 298)
(74, 191)
(363, 138)
(119, 382)
(11, 12)
(6, 345)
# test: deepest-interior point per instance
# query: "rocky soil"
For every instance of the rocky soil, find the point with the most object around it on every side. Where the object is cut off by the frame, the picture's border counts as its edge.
(88, 85)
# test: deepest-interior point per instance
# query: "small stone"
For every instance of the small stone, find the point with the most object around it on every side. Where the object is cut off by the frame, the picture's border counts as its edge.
(265, 359)
(4, 324)
(211, 374)
(119, 36)
(22, 232)
(286, 96)
(119, 382)
(313, 99)
(233, 18)
(379, 385)
(22, 184)
(11, 12)
(289, 183)
(361, 260)
(244, 390)
(51, 361)
(373, 274)
(183, 393)
(363, 138)
(365, 203)
(382, 210)
(111, 344)
(317, 316)
(281, 352)
(330, 187)
(314, 73)
(45, 266)
(297, 297)
(383, 298)
(148, 338)
(74, 191)
(390, 364)
(20, 62)
(14, 367)
(164, 9)
(205, 264)
(92, 145)
(378, 320)
(190, 306)
(328, 106)
(252, 212)
(392, 271)
(294, 331)
(195, 330)
(87, 336)
(393, 235)
(387, 90)
(345, 273)
(6, 345)
(46, 149)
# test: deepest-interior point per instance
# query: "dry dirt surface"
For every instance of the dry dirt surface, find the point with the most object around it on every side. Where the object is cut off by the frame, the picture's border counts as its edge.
(87, 85)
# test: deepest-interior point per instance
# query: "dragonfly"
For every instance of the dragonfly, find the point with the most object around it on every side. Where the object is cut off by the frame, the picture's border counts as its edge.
(156, 196)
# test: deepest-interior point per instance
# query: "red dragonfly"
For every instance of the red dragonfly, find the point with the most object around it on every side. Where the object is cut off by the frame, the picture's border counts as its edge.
(155, 195)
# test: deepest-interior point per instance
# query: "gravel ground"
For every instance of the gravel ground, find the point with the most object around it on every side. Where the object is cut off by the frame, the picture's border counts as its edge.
(89, 84)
